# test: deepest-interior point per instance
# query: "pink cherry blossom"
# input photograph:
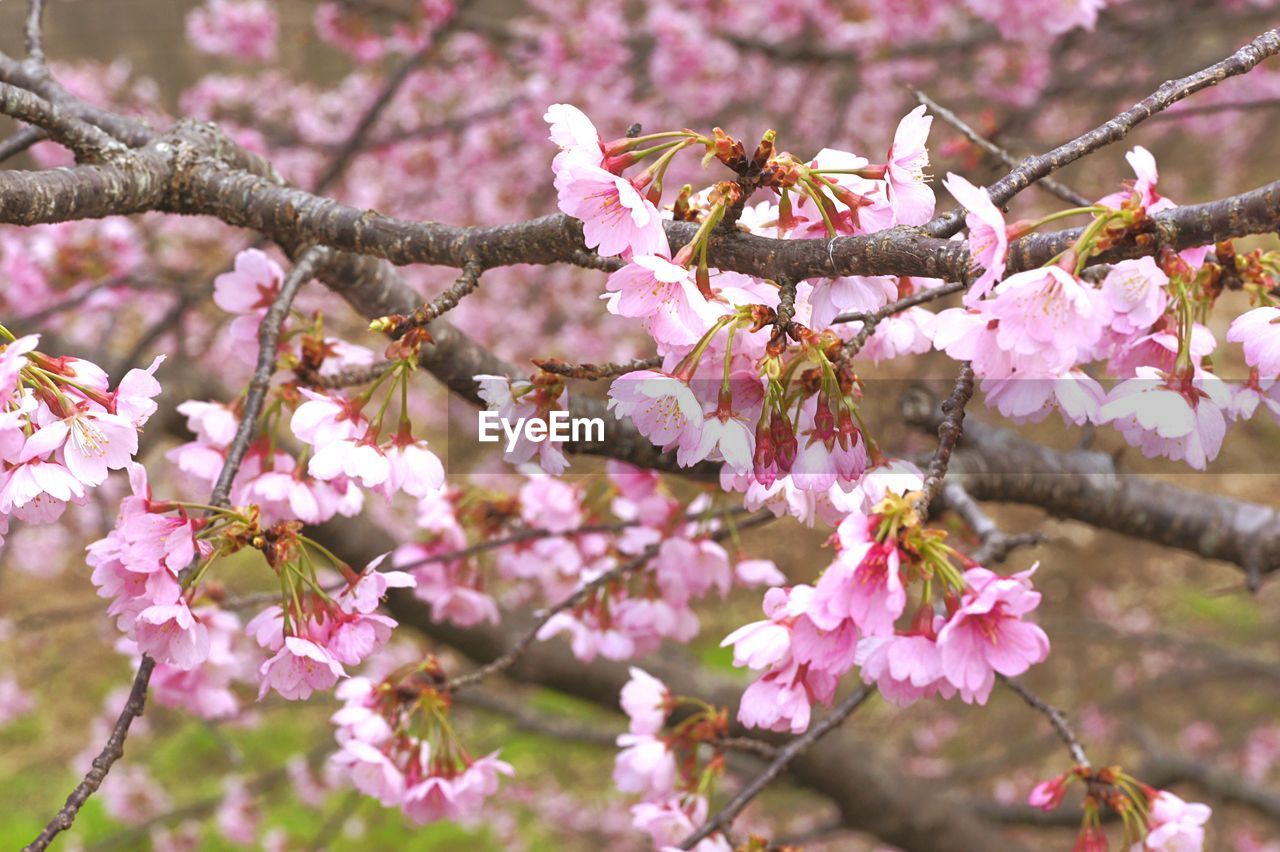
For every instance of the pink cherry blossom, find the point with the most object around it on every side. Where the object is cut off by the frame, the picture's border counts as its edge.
(616, 218)
(575, 134)
(1144, 187)
(1181, 419)
(1134, 292)
(905, 667)
(1047, 319)
(371, 771)
(1174, 825)
(782, 700)
(172, 634)
(245, 29)
(910, 195)
(251, 287)
(987, 635)
(645, 766)
(551, 504)
(92, 443)
(988, 235)
(1259, 331)
(430, 800)
(644, 699)
(662, 407)
(299, 668)
(664, 295)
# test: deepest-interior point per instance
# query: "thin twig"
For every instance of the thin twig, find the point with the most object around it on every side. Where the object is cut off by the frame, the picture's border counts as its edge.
(595, 372)
(353, 143)
(466, 284)
(1037, 167)
(35, 42)
(726, 815)
(268, 339)
(21, 141)
(1055, 716)
(585, 591)
(872, 319)
(88, 142)
(1048, 184)
(949, 432)
(995, 545)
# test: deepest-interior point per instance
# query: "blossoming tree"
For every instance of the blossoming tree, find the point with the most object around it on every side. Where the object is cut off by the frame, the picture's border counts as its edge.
(226, 375)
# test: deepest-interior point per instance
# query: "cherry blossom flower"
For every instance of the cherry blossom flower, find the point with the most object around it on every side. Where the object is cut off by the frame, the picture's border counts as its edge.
(645, 766)
(1181, 419)
(1259, 331)
(1134, 292)
(616, 218)
(987, 635)
(299, 668)
(644, 700)
(988, 234)
(662, 407)
(862, 585)
(251, 287)
(172, 634)
(910, 195)
(782, 699)
(1174, 825)
(575, 134)
(1046, 320)
(551, 504)
(905, 667)
(665, 296)
(669, 821)
(92, 443)
(1144, 187)
(371, 771)
(245, 29)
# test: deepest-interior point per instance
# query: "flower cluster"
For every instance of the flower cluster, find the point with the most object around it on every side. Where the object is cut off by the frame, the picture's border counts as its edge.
(815, 634)
(1154, 820)
(313, 633)
(396, 744)
(664, 767)
(140, 565)
(62, 428)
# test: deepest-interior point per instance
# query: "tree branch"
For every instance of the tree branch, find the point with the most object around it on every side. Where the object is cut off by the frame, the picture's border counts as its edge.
(724, 818)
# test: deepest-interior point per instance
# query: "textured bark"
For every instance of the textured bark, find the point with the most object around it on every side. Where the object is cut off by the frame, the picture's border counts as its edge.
(995, 464)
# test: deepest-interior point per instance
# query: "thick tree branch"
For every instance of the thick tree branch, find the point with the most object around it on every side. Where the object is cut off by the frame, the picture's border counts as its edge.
(995, 464)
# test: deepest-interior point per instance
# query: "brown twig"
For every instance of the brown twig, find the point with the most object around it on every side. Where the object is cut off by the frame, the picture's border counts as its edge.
(583, 592)
(268, 338)
(595, 372)
(89, 143)
(1055, 716)
(1037, 167)
(949, 431)
(995, 545)
(1048, 184)
(726, 815)
(35, 43)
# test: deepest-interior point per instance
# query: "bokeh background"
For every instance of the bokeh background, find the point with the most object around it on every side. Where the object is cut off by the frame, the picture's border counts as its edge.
(1157, 653)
